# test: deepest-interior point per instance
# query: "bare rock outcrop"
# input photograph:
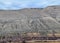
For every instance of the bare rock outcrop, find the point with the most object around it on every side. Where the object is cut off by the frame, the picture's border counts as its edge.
(30, 20)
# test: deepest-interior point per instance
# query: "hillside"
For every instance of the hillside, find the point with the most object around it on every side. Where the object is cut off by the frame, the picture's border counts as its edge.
(30, 20)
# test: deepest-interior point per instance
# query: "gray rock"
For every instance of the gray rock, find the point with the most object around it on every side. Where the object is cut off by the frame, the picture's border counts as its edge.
(30, 20)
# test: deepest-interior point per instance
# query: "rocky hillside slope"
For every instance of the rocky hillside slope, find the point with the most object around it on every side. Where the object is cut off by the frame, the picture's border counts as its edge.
(30, 20)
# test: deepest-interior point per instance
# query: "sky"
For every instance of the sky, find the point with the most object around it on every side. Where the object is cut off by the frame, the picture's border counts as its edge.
(19, 4)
